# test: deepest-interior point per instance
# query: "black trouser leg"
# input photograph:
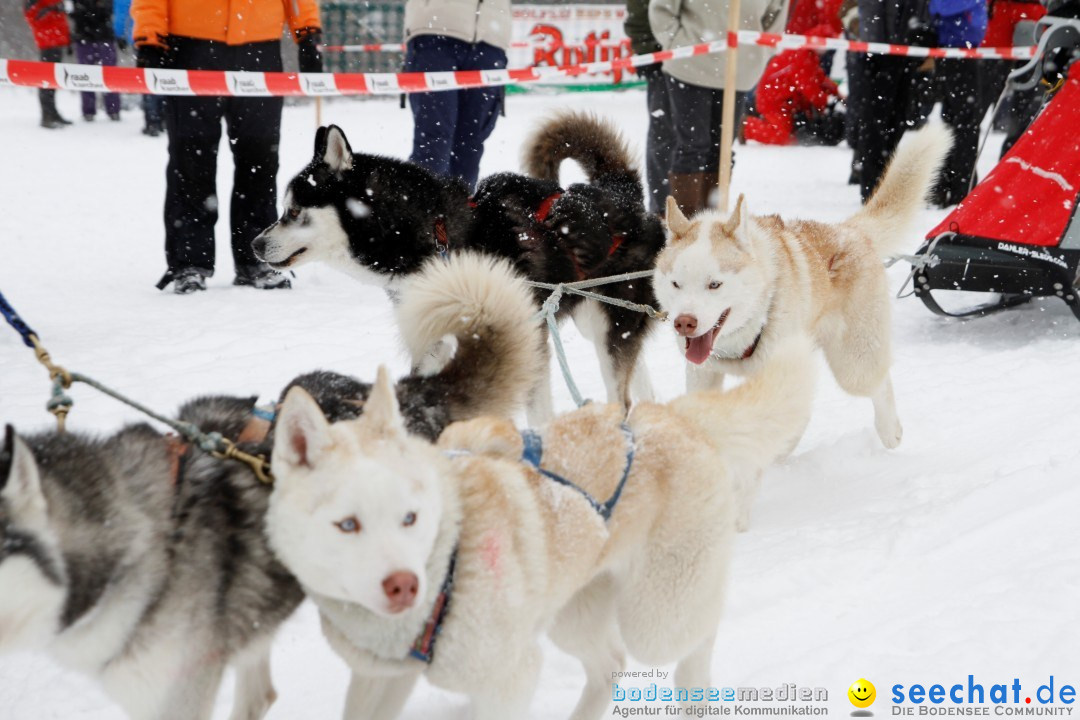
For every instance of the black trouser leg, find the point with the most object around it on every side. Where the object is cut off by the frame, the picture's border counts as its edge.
(191, 203)
(696, 116)
(47, 98)
(962, 111)
(254, 126)
(660, 141)
(888, 86)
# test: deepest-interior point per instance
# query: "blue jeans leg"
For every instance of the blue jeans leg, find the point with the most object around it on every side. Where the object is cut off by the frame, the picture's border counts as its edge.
(450, 127)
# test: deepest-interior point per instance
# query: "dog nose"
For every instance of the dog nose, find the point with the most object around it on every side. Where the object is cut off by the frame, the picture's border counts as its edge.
(258, 246)
(400, 588)
(686, 324)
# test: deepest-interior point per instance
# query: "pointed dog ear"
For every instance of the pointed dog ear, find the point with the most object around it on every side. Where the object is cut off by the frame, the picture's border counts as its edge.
(381, 408)
(337, 153)
(735, 219)
(20, 484)
(738, 223)
(302, 435)
(676, 221)
(6, 454)
(320, 142)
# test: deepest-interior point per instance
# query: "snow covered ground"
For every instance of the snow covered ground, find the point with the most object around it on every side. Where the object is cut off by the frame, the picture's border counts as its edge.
(958, 553)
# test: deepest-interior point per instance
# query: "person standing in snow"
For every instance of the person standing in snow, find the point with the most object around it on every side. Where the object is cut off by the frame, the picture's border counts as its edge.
(661, 135)
(95, 45)
(450, 127)
(48, 22)
(152, 105)
(696, 85)
(202, 35)
(889, 83)
(959, 24)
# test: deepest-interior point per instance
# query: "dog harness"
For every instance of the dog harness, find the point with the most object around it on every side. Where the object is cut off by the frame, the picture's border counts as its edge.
(533, 455)
(746, 353)
(423, 649)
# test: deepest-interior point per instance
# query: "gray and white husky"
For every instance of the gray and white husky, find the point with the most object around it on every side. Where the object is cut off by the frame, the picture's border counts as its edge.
(143, 568)
(149, 569)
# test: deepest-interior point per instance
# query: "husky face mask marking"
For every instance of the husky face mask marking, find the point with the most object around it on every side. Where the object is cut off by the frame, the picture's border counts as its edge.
(353, 514)
(706, 278)
(319, 214)
(33, 592)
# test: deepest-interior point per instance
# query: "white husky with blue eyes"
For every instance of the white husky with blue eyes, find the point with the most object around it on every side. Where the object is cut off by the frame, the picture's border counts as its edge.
(451, 560)
(737, 284)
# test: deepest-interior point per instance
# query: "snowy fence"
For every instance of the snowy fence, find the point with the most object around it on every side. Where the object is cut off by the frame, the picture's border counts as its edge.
(150, 81)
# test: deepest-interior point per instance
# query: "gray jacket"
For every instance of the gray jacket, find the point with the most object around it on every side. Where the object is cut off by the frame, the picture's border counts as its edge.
(676, 23)
(473, 21)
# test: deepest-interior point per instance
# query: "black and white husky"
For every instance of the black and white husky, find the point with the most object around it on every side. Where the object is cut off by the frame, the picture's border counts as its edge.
(379, 219)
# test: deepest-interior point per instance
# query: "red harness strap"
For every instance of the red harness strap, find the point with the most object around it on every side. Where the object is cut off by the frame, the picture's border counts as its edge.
(616, 243)
(442, 239)
(176, 447)
(544, 210)
(753, 346)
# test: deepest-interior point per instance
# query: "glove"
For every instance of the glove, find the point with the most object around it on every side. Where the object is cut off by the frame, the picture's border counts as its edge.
(150, 56)
(307, 50)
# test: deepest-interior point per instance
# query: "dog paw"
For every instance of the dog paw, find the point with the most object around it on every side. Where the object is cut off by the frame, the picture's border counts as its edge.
(890, 433)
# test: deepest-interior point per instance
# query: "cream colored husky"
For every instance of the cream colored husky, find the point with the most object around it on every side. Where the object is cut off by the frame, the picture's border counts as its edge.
(453, 560)
(736, 285)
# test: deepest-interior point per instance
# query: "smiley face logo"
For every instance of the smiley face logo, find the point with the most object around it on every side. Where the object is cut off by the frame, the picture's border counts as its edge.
(862, 693)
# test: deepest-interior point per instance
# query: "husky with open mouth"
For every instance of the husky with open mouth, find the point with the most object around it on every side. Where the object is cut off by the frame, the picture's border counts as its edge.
(612, 535)
(380, 219)
(737, 284)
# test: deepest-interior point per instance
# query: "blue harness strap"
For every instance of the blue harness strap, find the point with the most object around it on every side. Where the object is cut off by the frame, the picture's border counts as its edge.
(423, 647)
(16, 322)
(533, 454)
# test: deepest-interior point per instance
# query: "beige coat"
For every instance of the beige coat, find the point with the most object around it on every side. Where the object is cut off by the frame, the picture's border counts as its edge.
(473, 21)
(677, 23)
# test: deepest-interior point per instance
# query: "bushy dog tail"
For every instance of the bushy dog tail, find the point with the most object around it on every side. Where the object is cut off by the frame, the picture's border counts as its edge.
(761, 420)
(469, 324)
(594, 143)
(903, 189)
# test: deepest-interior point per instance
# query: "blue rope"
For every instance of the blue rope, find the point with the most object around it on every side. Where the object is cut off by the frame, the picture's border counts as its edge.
(15, 321)
(548, 312)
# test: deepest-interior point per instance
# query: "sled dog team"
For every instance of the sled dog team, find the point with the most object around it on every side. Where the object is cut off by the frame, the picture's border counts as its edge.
(433, 536)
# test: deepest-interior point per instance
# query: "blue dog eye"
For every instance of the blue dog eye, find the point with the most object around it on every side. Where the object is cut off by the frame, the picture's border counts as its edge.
(348, 525)
(410, 519)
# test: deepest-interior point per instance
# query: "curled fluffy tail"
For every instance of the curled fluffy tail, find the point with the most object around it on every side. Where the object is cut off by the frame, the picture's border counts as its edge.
(903, 188)
(594, 143)
(469, 325)
(761, 420)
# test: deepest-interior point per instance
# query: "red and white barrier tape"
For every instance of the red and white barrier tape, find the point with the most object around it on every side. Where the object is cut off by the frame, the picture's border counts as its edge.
(95, 78)
(400, 47)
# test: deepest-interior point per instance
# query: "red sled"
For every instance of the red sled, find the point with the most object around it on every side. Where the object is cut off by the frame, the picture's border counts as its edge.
(1017, 233)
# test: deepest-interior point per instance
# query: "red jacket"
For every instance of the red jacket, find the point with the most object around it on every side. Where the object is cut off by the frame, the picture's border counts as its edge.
(815, 17)
(1004, 15)
(794, 80)
(49, 23)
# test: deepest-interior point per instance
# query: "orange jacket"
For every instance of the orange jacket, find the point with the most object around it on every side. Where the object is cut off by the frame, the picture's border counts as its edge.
(235, 22)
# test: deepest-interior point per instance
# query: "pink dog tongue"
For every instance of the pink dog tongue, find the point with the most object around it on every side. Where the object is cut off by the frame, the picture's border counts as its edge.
(698, 349)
